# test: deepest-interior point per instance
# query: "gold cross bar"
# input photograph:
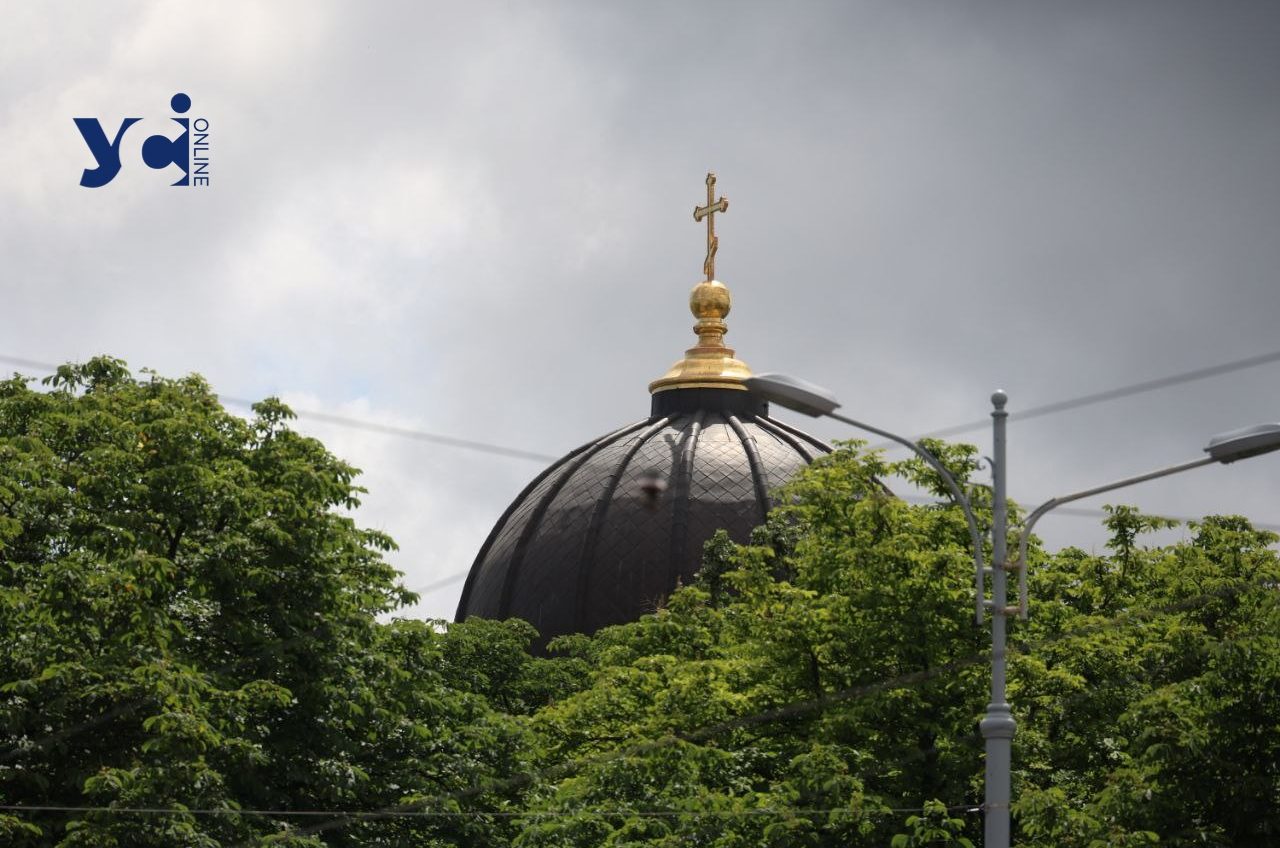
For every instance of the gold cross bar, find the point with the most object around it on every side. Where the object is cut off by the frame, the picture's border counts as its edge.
(709, 212)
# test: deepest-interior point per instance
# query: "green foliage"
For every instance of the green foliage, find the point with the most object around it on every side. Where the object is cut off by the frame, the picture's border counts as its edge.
(1151, 684)
(934, 826)
(811, 683)
(751, 711)
(189, 619)
(491, 659)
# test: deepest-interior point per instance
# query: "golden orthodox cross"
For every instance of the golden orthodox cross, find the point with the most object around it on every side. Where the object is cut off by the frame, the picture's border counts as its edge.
(709, 212)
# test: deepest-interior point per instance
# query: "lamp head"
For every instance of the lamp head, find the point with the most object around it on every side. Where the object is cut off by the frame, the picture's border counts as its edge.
(1244, 443)
(793, 393)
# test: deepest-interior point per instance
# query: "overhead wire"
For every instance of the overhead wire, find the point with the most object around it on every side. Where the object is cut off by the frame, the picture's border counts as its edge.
(1065, 511)
(430, 807)
(357, 423)
(1079, 512)
(410, 433)
(453, 814)
(807, 706)
(1112, 394)
(127, 708)
(520, 453)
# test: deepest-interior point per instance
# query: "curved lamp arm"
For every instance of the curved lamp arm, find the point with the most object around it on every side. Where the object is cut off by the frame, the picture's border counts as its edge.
(975, 535)
(1030, 521)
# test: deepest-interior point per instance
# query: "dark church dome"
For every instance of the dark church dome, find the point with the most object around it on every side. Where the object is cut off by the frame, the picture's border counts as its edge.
(591, 542)
(607, 532)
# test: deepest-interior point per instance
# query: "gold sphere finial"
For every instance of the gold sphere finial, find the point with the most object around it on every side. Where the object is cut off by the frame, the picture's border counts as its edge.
(710, 299)
(709, 363)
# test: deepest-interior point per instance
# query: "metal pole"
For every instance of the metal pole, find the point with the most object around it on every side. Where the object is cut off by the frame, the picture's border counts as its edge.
(998, 725)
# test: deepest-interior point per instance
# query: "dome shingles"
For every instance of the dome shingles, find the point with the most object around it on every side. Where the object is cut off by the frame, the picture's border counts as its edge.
(587, 545)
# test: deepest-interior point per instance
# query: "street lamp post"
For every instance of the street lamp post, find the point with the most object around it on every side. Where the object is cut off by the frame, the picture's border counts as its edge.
(1223, 448)
(998, 725)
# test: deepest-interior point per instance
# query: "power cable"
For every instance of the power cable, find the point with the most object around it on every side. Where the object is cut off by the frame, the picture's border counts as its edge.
(127, 708)
(442, 582)
(408, 433)
(357, 423)
(454, 814)
(340, 818)
(1066, 511)
(793, 709)
(1112, 394)
(519, 453)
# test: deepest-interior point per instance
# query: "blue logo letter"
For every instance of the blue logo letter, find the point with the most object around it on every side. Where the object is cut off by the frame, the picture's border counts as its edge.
(161, 152)
(107, 154)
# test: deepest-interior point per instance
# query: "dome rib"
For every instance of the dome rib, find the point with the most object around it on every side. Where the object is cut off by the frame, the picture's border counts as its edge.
(822, 447)
(535, 520)
(506, 516)
(753, 460)
(786, 438)
(683, 474)
(592, 538)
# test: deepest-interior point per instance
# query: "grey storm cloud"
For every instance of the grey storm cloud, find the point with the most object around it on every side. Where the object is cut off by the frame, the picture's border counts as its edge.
(475, 220)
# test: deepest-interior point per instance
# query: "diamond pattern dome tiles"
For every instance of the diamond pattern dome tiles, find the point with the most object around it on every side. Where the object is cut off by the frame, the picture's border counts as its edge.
(587, 544)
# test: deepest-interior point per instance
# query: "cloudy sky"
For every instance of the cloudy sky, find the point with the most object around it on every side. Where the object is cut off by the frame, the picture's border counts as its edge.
(474, 220)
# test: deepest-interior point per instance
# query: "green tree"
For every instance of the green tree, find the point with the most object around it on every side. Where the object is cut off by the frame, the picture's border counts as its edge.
(188, 618)
(752, 710)
(815, 684)
(1150, 679)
